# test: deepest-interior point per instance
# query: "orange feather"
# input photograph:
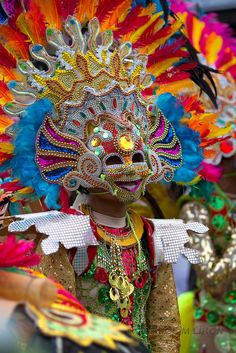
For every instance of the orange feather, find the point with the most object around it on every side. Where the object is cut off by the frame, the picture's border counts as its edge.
(85, 11)
(35, 30)
(14, 42)
(7, 74)
(5, 95)
(51, 10)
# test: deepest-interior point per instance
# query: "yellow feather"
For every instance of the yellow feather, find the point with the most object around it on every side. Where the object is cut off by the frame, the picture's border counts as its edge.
(175, 87)
(159, 68)
(139, 31)
(213, 46)
(198, 27)
(6, 147)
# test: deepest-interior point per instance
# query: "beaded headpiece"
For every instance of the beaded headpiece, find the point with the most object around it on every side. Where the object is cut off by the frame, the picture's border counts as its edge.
(98, 112)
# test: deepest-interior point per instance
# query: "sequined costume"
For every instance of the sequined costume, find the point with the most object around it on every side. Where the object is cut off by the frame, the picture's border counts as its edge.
(81, 115)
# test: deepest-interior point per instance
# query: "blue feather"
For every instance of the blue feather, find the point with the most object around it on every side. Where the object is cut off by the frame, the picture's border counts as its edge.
(192, 153)
(23, 163)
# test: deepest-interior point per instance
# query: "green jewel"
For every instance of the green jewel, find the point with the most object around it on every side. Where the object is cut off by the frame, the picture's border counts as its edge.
(115, 317)
(230, 322)
(98, 151)
(83, 115)
(230, 297)
(49, 32)
(102, 106)
(103, 295)
(198, 313)
(213, 318)
(217, 203)
(23, 66)
(71, 131)
(219, 222)
(96, 130)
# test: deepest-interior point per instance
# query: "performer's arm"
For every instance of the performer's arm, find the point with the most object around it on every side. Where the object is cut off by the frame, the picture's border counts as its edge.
(163, 314)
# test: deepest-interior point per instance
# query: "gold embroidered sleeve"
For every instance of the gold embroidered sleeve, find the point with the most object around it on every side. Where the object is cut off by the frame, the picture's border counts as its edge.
(57, 266)
(162, 313)
(216, 273)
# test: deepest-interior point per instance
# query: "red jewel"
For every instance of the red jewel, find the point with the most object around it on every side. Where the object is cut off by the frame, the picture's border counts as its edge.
(226, 146)
(101, 275)
(75, 122)
(91, 110)
(114, 103)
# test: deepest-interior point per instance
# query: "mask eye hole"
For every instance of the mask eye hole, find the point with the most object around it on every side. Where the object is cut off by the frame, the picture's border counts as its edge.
(113, 160)
(137, 158)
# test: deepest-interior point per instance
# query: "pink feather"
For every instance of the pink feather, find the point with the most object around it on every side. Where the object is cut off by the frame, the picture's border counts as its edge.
(15, 253)
(211, 172)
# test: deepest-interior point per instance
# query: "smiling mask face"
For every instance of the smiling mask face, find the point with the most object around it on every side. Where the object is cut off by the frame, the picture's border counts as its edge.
(124, 159)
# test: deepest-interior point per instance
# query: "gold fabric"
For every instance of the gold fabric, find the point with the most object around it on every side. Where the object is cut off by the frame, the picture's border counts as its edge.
(162, 313)
(57, 266)
(216, 273)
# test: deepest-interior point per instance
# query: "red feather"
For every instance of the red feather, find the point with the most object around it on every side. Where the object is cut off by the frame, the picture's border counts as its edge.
(131, 22)
(68, 8)
(106, 7)
(170, 76)
(6, 59)
(168, 51)
(149, 36)
(4, 157)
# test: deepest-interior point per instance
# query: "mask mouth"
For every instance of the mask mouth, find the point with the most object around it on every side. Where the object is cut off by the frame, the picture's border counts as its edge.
(131, 185)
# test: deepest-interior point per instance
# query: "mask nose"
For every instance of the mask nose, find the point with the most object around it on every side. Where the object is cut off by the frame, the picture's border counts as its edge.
(129, 168)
